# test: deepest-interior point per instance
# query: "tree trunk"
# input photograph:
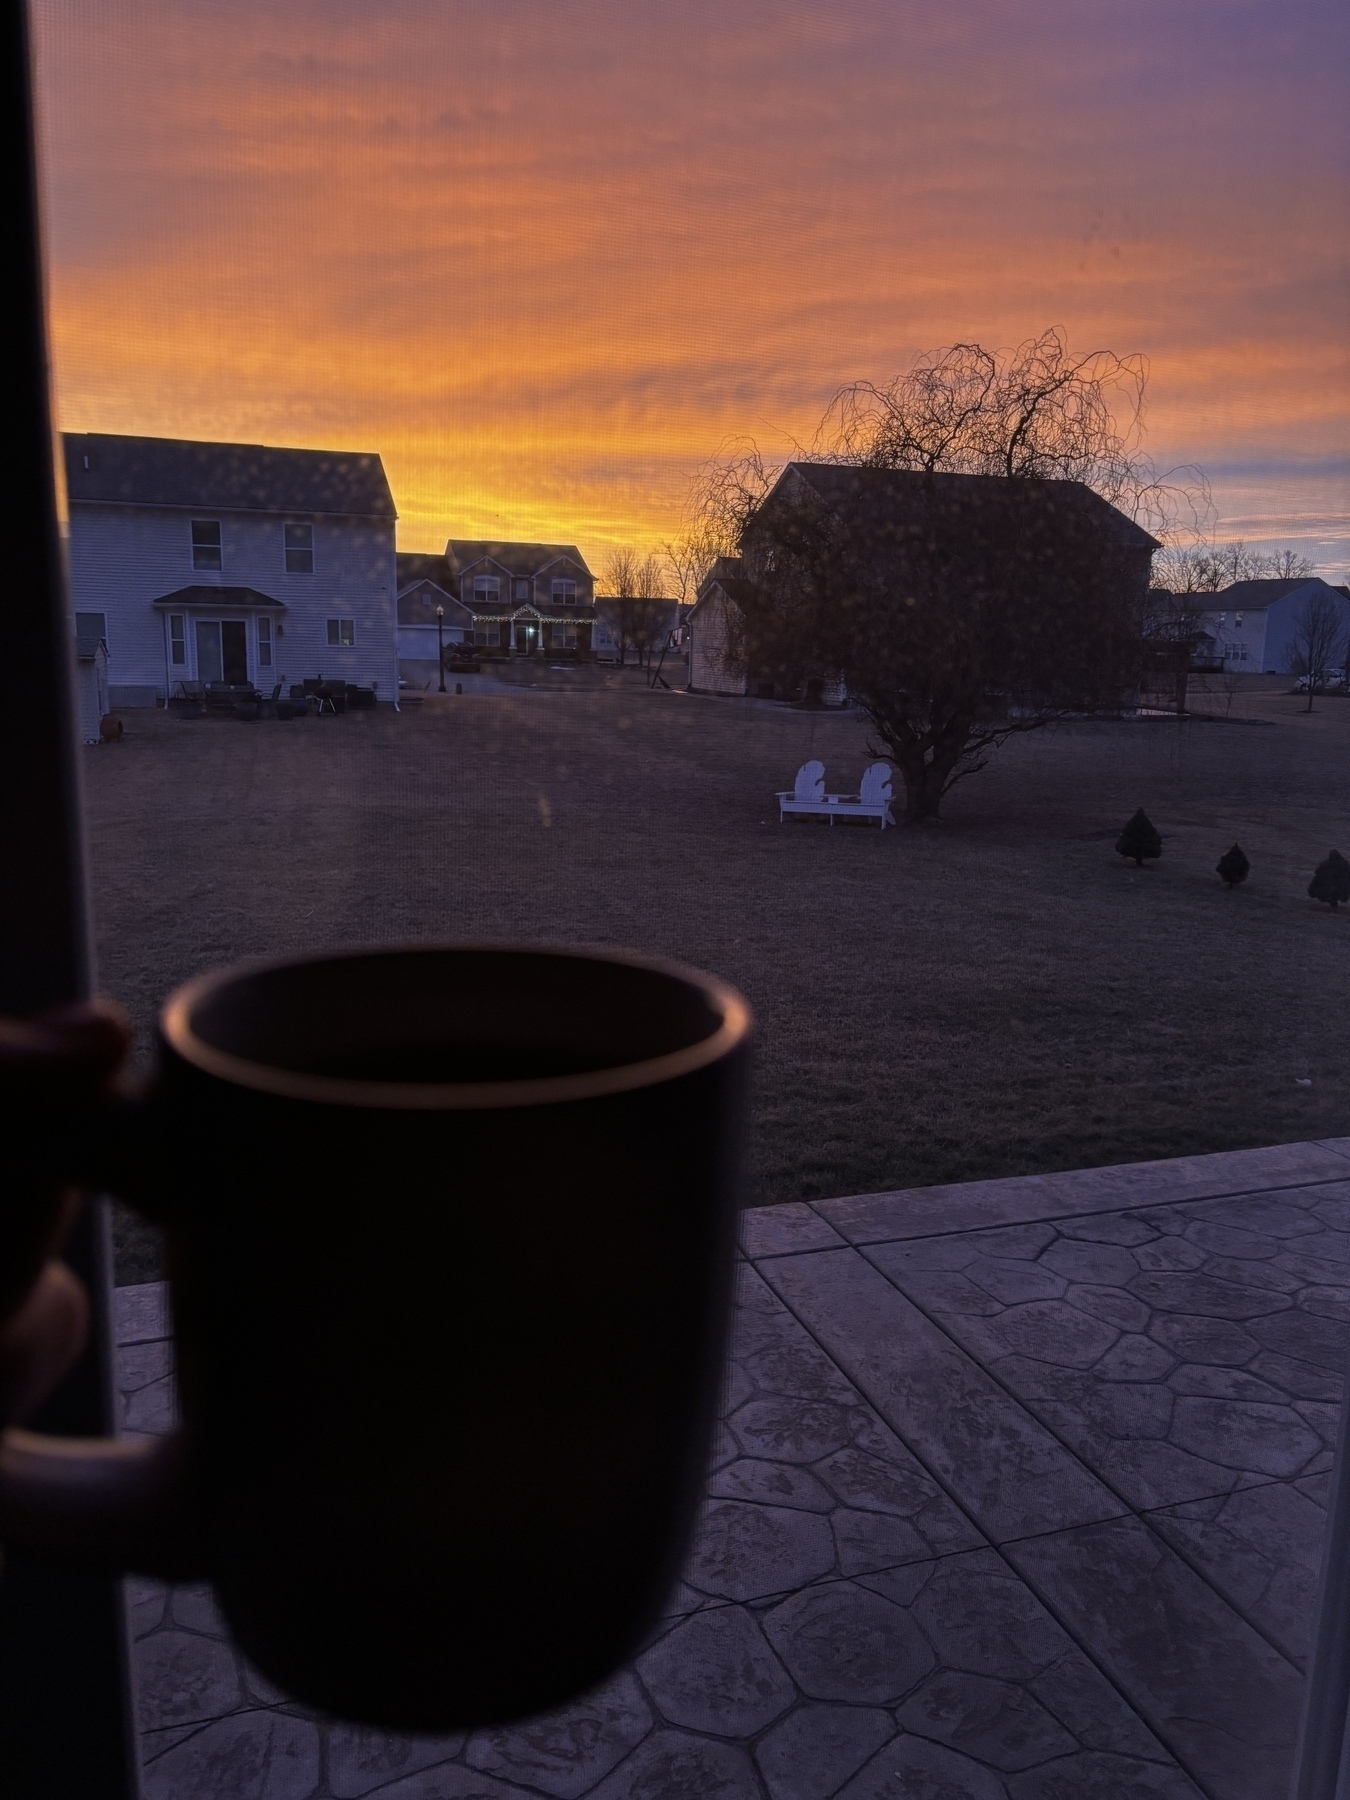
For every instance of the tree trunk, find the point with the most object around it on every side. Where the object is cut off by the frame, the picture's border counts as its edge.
(924, 785)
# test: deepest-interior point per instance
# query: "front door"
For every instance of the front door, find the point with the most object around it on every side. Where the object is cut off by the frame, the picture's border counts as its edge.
(527, 639)
(222, 651)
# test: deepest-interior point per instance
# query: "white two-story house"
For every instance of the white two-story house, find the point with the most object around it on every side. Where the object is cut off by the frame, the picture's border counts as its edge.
(237, 563)
(1252, 626)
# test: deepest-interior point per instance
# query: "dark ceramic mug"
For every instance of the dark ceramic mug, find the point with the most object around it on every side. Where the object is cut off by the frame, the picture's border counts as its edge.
(450, 1237)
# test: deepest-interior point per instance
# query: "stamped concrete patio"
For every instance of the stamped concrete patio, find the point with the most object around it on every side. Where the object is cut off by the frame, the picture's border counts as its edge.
(1018, 1497)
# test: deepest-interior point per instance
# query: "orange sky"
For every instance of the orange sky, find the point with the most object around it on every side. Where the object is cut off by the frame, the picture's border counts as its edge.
(547, 255)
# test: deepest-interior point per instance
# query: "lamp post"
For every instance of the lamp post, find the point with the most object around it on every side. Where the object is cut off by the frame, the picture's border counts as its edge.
(440, 644)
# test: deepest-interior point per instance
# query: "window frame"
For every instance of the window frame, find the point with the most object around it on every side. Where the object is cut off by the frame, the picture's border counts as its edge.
(207, 547)
(178, 657)
(306, 549)
(263, 640)
(341, 633)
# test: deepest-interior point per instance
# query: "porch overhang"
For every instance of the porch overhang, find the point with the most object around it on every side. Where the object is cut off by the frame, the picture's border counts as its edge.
(219, 599)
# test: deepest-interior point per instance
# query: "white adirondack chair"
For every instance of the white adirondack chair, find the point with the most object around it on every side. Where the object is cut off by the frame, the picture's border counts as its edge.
(808, 792)
(872, 800)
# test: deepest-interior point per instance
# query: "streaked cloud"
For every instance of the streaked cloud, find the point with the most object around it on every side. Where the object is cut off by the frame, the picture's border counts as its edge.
(546, 258)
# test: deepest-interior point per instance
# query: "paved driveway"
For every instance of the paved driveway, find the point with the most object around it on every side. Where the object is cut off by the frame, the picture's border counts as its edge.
(1018, 1497)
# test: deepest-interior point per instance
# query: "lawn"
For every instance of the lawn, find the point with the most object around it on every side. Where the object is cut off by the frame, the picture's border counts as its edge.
(994, 995)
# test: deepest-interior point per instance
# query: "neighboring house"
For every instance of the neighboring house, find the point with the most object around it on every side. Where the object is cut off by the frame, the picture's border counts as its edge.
(426, 586)
(712, 630)
(647, 626)
(885, 503)
(199, 561)
(1250, 626)
(91, 679)
(525, 599)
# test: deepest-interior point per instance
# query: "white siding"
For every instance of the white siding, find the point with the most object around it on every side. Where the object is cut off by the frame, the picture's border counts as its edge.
(1232, 639)
(122, 558)
(708, 650)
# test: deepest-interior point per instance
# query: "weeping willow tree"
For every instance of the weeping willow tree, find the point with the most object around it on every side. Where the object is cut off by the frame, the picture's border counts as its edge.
(968, 547)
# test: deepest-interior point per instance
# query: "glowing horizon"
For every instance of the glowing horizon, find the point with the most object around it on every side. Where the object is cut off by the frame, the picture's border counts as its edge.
(546, 262)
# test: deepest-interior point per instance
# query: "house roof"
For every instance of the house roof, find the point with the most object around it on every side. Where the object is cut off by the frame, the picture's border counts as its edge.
(419, 601)
(1256, 596)
(839, 484)
(515, 558)
(219, 598)
(417, 565)
(182, 472)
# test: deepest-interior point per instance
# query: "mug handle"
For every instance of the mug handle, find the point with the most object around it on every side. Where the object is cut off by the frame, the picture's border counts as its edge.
(106, 1503)
(102, 1504)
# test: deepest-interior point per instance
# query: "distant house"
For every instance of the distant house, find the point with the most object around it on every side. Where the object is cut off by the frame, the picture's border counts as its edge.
(426, 587)
(624, 623)
(884, 504)
(524, 599)
(712, 630)
(1249, 627)
(197, 561)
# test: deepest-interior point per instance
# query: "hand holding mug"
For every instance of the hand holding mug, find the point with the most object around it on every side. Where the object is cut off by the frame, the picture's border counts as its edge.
(450, 1235)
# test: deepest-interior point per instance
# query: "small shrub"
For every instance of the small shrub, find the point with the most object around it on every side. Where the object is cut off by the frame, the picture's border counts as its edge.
(1234, 867)
(1139, 839)
(1331, 880)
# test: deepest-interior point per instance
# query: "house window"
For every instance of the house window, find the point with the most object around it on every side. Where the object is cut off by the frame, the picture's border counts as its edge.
(206, 544)
(265, 643)
(91, 625)
(521, 589)
(489, 636)
(177, 640)
(342, 631)
(564, 637)
(564, 593)
(486, 588)
(299, 549)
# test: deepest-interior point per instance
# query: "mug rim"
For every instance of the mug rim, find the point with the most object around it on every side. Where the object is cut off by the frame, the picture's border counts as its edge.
(175, 1024)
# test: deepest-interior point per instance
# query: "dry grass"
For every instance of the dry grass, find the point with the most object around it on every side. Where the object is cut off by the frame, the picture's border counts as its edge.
(994, 995)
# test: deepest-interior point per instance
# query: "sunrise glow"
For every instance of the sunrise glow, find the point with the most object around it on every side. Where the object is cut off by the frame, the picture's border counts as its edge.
(547, 259)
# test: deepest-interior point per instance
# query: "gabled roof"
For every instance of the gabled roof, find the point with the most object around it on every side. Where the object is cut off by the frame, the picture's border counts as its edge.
(417, 565)
(1256, 596)
(183, 472)
(516, 559)
(735, 588)
(900, 490)
(419, 602)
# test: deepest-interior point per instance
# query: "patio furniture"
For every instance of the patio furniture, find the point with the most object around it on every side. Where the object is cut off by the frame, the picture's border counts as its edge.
(808, 792)
(222, 697)
(808, 796)
(872, 801)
